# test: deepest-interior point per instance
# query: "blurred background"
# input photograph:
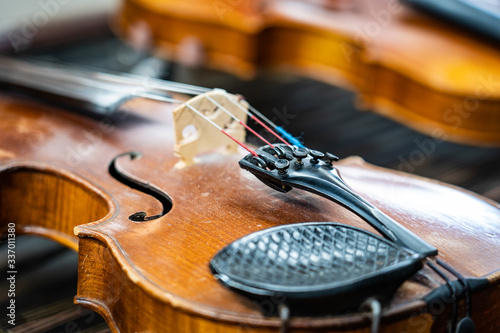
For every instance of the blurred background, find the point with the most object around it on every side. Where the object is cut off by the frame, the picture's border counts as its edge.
(325, 116)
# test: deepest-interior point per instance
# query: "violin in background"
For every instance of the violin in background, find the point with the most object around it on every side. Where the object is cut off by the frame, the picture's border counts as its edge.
(435, 78)
(147, 226)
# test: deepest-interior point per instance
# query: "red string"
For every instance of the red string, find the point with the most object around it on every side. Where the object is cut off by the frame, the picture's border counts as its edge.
(268, 129)
(240, 143)
(256, 134)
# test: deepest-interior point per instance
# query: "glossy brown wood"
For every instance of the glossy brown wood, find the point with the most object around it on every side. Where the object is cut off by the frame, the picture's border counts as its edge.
(57, 200)
(428, 75)
(154, 276)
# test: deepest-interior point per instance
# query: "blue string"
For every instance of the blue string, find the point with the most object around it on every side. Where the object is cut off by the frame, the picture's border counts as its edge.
(288, 137)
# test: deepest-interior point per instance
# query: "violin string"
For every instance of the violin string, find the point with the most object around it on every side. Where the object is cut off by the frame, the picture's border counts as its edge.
(173, 100)
(170, 86)
(462, 281)
(236, 118)
(281, 130)
(273, 125)
(138, 84)
(160, 97)
(165, 86)
(278, 129)
(257, 120)
(221, 129)
(150, 83)
(252, 115)
(452, 291)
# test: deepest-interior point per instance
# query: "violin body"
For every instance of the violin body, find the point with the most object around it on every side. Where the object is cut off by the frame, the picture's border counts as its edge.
(154, 276)
(421, 72)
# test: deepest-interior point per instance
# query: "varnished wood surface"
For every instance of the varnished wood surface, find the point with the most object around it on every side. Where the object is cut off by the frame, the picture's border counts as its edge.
(39, 186)
(154, 275)
(430, 76)
(45, 287)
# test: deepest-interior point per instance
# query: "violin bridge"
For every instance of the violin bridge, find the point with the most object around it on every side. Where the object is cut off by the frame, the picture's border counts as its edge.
(194, 132)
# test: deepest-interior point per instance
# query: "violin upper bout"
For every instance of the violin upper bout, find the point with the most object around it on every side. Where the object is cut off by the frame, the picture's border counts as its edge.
(194, 134)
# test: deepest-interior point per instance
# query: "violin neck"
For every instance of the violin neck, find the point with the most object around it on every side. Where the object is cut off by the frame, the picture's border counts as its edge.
(93, 92)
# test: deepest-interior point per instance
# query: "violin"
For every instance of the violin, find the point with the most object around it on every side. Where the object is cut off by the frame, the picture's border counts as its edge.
(156, 195)
(419, 71)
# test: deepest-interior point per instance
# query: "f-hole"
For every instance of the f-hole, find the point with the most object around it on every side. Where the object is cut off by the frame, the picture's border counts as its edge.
(141, 186)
